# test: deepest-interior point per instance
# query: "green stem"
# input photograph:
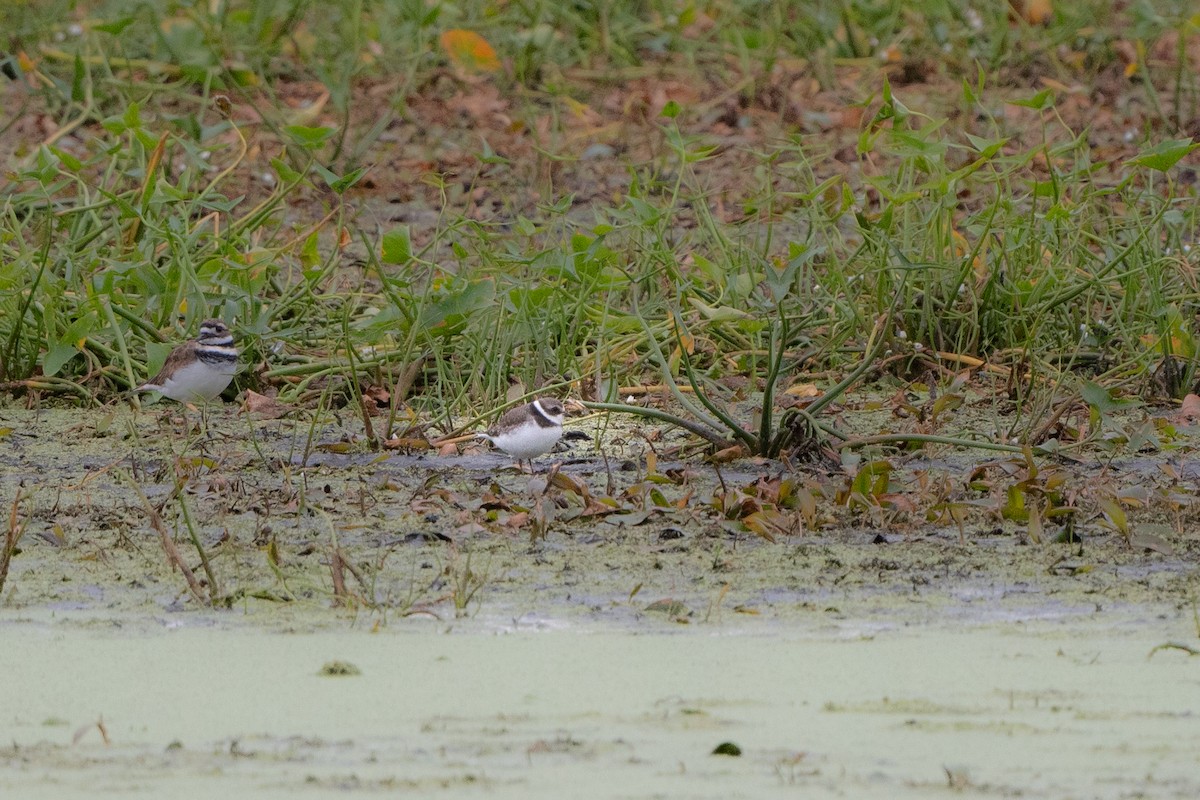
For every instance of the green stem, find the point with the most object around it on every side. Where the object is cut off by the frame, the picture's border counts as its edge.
(905, 438)
(703, 431)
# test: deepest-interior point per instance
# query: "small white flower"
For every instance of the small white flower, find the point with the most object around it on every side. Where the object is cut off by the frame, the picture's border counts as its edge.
(59, 36)
(1129, 135)
(75, 29)
(205, 155)
(1187, 248)
(901, 333)
(917, 346)
(267, 178)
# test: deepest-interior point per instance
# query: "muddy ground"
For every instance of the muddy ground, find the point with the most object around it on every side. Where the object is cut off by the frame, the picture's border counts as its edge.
(300, 511)
(500, 640)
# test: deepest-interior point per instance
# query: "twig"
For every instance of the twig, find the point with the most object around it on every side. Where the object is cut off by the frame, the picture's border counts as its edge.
(11, 536)
(168, 546)
(1191, 651)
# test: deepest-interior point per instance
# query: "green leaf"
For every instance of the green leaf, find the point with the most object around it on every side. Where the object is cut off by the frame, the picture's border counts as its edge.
(717, 313)
(69, 161)
(397, 246)
(309, 138)
(1039, 102)
(286, 174)
(310, 254)
(1103, 400)
(450, 311)
(781, 280)
(1163, 155)
(114, 125)
(349, 179)
(489, 156)
(57, 356)
(986, 147)
(115, 27)
(77, 76)
(671, 110)
(329, 176)
(132, 117)
(147, 139)
(1014, 507)
(892, 108)
(1115, 515)
(156, 356)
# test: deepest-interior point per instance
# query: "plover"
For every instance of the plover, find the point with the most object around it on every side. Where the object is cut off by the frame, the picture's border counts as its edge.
(528, 431)
(199, 369)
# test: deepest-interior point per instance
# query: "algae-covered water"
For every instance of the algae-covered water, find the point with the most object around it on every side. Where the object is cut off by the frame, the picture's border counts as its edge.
(206, 709)
(396, 624)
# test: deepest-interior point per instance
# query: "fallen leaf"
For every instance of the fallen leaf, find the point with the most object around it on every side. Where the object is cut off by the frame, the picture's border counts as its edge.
(1148, 541)
(469, 51)
(1035, 12)
(410, 443)
(628, 519)
(267, 407)
(1189, 409)
(563, 481)
(728, 454)
(668, 606)
(803, 390)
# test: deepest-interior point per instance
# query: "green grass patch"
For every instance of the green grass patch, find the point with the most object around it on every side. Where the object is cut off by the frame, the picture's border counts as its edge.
(723, 198)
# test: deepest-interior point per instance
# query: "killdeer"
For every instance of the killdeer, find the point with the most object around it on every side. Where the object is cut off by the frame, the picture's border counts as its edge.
(199, 369)
(528, 431)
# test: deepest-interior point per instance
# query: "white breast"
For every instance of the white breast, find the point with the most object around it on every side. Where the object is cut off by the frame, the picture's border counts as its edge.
(199, 382)
(528, 440)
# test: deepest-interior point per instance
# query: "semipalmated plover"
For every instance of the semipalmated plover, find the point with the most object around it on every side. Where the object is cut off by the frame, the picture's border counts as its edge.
(199, 369)
(528, 431)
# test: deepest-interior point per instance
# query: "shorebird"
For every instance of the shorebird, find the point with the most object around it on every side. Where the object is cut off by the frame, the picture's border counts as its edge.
(199, 369)
(528, 431)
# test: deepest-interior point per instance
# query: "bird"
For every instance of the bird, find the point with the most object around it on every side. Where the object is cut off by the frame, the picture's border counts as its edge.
(529, 430)
(199, 369)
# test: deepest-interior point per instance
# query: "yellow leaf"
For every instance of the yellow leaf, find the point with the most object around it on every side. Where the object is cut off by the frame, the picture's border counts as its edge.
(1039, 11)
(803, 390)
(1035, 526)
(1036, 12)
(469, 51)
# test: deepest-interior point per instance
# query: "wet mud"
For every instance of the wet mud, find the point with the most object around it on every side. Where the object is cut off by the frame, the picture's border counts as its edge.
(507, 638)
